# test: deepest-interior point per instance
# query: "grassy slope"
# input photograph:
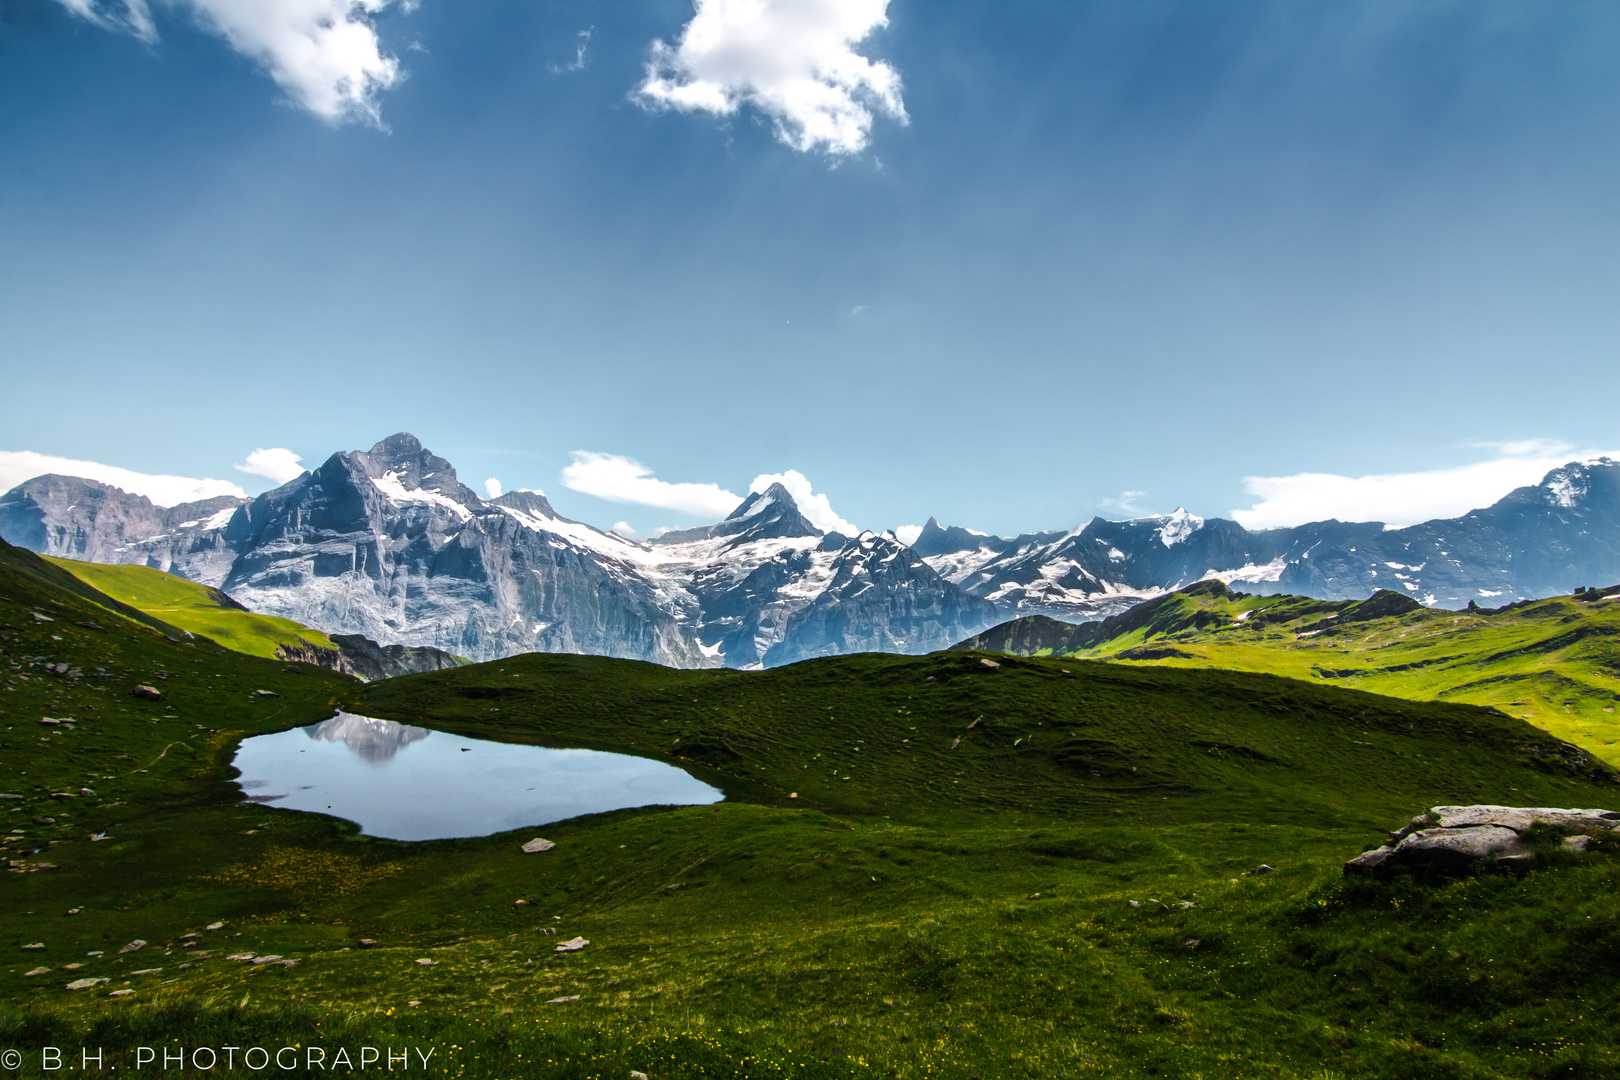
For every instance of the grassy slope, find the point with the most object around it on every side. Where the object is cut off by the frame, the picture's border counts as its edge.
(195, 608)
(940, 913)
(1554, 662)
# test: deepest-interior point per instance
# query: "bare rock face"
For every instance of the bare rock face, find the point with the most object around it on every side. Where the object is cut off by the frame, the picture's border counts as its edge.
(1452, 839)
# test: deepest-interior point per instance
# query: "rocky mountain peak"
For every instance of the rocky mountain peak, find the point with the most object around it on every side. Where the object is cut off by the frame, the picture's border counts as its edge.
(766, 515)
(415, 468)
(936, 539)
(529, 502)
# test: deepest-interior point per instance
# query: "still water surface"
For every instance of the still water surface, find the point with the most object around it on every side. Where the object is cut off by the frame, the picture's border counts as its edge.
(409, 783)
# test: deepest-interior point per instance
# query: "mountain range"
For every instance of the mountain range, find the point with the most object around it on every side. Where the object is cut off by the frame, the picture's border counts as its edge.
(388, 543)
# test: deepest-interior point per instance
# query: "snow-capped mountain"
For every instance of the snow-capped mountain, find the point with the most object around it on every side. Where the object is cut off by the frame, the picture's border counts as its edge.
(1536, 541)
(389, 544)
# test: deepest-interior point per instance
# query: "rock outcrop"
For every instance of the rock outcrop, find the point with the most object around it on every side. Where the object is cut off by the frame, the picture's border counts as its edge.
(1451, 840)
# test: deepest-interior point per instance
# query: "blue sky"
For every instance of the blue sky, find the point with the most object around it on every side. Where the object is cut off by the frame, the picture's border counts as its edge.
(1083, 257)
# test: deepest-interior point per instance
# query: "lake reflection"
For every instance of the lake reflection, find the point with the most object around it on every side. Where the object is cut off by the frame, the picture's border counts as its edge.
(410, 783)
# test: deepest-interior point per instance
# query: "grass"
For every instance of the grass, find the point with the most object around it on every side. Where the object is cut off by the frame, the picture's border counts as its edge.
(1022, 903)
(1553, 662)
(198, 609)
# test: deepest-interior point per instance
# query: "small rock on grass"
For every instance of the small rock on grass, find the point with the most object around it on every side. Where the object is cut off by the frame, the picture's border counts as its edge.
(121, 993)
(559, 1001)
(36, 971)
(572, 945)
(538, 844)
(215, 925)
(272, 958)
(425, 962)
(147, 693)
(1259, 870)
(84, 984)
(132, 946)
(35, 945)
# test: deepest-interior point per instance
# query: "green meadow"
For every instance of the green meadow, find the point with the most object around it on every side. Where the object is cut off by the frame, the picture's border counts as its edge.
(924, 867)
(196, 608)
(1553, 662)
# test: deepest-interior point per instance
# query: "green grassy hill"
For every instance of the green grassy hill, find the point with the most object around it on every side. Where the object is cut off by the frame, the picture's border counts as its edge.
(1028, 872)
(1553, 662)
(199, 609)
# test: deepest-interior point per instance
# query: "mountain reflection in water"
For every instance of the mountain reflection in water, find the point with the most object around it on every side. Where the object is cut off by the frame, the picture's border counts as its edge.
(375, 740)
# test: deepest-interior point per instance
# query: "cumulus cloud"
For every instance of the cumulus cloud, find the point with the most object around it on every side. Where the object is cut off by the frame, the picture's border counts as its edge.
(324, 53)
(624, 529)
(816, 509)
(19, 465)
(621, 479)
(907, 534)
(793, 60)
(277, 463)
(1404, 498)
(492, 488)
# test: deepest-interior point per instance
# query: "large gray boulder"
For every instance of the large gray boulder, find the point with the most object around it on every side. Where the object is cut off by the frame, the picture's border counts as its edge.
(1453, 839)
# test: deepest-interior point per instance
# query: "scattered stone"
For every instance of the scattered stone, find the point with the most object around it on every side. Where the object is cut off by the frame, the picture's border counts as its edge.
(99, 837)
(1258, 871)
(86, 791)
(521, 903)
(289, 963)
(84, 984)
(956, 742)
(559, 1001)
(1134, 903)
(367, 943)
(793, 794)
(538, 844)
(147, 693)
(72, 967)
(636, 1074)
(214, 926)
(121, 993)
(132, 946)
(148, 971)
(413, 1004)
(36, 971)
(1186, 905)
(1192, 942)
(270, 959)
(1452, 839)
(35, 945)
(240, 956)
(265, 693)
(425, 962)
(989, 664)
(572, 945)
(50, 721)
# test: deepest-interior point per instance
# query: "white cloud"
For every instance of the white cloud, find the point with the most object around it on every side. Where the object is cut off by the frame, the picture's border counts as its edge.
(814, 507)
(1403, 498)
(277, 463)
(1126, 502)
(323, 53)
(621, 479)
(19, 465)
(624, 529)
(793, 60)
(130, 16)
(492, 488)
(907, 534)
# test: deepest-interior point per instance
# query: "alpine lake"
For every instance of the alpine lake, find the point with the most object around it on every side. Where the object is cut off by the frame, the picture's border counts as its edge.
(402, 782)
